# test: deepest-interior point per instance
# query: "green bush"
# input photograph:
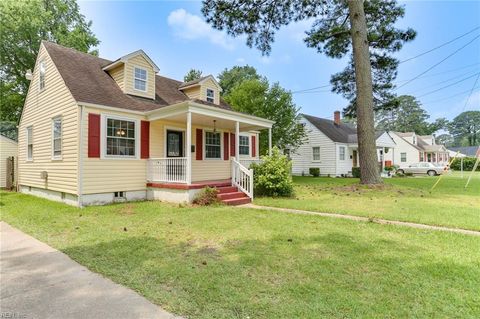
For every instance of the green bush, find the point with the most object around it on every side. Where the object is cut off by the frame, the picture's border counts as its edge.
(272, 176)
(468, 163)
(206, 196)
(314, 171)
(356, 172)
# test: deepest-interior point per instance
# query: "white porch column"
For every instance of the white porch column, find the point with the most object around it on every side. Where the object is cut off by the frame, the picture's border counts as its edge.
(270, 141)
(189, 147)
(383, 159)
(237, 141)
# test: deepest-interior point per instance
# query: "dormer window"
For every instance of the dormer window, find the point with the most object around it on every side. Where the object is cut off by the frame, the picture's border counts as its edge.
(140, 78)
(210, 96)
(414, 140)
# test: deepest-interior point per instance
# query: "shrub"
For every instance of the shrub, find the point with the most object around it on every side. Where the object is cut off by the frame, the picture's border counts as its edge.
(356, 172)
(314, 171)
(206, 196)
(468, 163)
(391, 168)
(272, 176)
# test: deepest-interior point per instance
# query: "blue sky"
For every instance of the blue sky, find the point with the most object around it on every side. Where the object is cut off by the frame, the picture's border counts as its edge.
(175, 36)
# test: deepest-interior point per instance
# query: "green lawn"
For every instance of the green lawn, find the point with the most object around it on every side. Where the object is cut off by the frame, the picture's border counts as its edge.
(404, 199)
(227, 262)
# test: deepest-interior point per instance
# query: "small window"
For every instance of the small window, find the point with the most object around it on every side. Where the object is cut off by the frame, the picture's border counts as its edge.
(41, 76)
(212, 145)
(403, 157)
(316, 153)
(342, 153)
(244, 145)
(57, 137)
(211, 96)
(119, 194)
(120, 137)
(140, 78)
(421, 157)
(29, 143)
(414, 139)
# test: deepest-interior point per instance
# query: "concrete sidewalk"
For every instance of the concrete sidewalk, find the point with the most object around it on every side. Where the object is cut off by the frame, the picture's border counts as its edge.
(37, 281)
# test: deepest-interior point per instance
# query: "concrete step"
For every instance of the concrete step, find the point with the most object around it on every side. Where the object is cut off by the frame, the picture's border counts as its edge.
(231, 195)
(227, 189)
(237, 201)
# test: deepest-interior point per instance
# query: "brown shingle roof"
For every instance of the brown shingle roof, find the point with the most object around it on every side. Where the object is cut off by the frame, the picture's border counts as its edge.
(88, 83)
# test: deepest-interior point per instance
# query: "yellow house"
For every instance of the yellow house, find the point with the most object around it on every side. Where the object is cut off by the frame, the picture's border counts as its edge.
(95, 131)
(8, 149)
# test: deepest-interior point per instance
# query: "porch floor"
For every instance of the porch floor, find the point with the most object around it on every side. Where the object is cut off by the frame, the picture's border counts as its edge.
(194, 185)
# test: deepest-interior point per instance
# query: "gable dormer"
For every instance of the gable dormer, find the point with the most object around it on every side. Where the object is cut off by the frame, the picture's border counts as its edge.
(205, 88)
(135, 74)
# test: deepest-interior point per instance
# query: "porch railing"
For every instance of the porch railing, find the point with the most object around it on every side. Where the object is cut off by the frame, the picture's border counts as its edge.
(171, 169)
(248, 162)
(242, 177)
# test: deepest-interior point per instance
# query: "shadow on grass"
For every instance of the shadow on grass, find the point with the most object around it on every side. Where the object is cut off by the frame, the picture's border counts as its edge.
(284, 277)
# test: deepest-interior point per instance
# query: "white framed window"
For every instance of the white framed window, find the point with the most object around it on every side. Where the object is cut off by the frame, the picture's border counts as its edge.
(29, 143)
(341, 151)
(210, 95)
(403, 157)
(213, 146)
(120, 137)
(41, 76)
(57, 137)
(140, 79)
(316, 153)
(244, 145)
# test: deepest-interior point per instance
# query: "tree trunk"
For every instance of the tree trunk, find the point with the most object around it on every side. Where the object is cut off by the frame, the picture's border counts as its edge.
(363, 77)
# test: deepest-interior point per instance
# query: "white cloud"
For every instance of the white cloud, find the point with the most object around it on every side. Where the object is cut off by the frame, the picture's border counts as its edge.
(240, 61)
(192, 27)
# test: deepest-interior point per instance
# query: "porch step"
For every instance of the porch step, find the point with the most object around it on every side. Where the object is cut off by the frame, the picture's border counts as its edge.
(237, 201)
(227, 189)
(232, 195)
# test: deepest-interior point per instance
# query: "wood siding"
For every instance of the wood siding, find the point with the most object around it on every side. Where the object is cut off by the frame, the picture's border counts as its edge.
(130, 65)
(39, 109)
(404, 147)
(302, 157)
(118, 74)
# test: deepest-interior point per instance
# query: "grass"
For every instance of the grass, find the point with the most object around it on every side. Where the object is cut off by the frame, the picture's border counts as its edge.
(403, 199)
(224, 262)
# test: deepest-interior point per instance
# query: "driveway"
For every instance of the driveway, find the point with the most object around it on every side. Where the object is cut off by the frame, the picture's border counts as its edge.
(38, 281)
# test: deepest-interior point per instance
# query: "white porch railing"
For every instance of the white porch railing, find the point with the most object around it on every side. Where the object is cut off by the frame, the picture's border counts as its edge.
(248, 162)
(171, 169)
(242, 177)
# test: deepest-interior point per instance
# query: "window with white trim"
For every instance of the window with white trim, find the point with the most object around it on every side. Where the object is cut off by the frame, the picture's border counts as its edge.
(244, 145)
(403, 157)
(213, 147)
(120, 137)
(57, 137)
(210, 96)
(316, 153)
(41, 76)
(341, 151)
(29, 143)
(140, 78)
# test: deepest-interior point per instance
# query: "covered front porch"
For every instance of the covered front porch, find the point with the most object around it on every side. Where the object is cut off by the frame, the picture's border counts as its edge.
(195, 145)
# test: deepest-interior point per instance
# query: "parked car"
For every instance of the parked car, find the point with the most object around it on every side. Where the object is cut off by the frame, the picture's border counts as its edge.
(421, 168)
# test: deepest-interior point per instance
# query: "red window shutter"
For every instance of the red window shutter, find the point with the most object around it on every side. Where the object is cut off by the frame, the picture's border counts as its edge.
(225, 146)
(254, 146)
(199, 145)
(145, 139)
(232, 144)
(93, 135)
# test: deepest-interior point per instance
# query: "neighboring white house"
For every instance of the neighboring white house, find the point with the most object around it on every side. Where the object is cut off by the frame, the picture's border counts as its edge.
(412, 148)
(332, 146)
(8, 148)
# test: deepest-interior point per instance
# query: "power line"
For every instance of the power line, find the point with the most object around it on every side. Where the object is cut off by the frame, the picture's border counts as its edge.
(443, 72)
(450, 96)
(446, 86)
(438, 63)
(440, 46)
(470, 94)
(314, 88)
(447, 80)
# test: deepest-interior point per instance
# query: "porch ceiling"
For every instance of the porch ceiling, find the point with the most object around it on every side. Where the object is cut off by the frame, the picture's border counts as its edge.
(207, 121)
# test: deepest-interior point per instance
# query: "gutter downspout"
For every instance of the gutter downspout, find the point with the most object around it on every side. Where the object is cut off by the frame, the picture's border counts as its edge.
(80, 160)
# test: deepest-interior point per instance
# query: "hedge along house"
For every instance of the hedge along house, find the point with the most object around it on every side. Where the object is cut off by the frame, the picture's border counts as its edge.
(94, 131)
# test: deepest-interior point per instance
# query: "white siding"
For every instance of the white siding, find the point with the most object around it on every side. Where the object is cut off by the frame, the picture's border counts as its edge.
(344, 167)
(402, 146)
(302, 157)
